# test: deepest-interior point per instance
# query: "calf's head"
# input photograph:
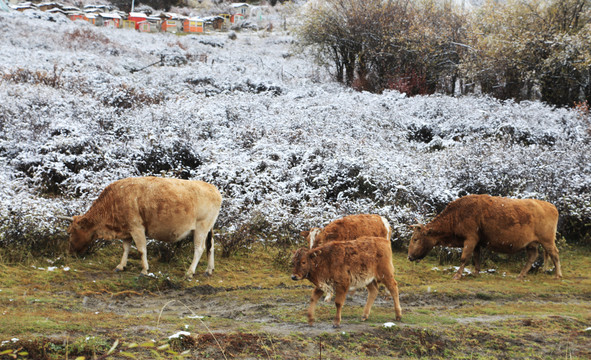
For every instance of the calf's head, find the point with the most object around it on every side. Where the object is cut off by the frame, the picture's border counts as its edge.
(421, 242)
(302, 264)
(81, 234)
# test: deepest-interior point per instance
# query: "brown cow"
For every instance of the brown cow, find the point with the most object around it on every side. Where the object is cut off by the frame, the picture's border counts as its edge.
(340, 265)
(349, 228)
(501, 224)
(162, 209)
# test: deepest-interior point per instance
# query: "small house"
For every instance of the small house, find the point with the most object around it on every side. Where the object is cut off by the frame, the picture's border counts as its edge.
(236, 18)
(170, 25)
(226, 17)
(149, 26)
(110, 20)
(214, 22)
(91, 18)
(23, 6)
(48, 6)
(193, 25)
(137, 17)
(240, 8)
(128, 24)
(172, 22)
(77, 15)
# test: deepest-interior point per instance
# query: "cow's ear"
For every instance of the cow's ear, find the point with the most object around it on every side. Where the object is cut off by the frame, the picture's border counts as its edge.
(316, 253)
(305, 234)
(416, 227)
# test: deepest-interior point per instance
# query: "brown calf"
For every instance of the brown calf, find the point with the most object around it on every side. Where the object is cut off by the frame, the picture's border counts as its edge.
(340, 265)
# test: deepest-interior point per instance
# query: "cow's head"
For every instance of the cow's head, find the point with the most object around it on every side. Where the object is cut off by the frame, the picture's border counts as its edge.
(302, 264)
(81, 234)
(421, 242)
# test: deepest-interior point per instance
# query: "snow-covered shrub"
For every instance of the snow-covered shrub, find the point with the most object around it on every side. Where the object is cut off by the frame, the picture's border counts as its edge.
(286, 147)
(22, 235)
(177, 158)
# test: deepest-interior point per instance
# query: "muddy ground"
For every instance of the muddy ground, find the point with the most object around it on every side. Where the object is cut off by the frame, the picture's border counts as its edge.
(250, 309)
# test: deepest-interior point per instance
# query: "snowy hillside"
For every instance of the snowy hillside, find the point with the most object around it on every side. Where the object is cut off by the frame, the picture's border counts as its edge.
(265, 125)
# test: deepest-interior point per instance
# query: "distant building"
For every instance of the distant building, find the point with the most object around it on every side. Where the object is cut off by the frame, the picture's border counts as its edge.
(111, 20)
(137, 17)
(234, 18)
(150, 25)
(193, 25)
(73, 15)
(172, 22)
(240, 8)
(48, 6)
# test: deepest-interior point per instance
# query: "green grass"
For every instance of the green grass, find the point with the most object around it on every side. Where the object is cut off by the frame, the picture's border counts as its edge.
(251, 308)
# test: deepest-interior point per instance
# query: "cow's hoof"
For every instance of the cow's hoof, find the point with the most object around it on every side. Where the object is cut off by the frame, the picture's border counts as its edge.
(117, 270)
(364, 318)
(336, 326)
(398, 318)
(189, 277)
(209, 273)
(457, 277)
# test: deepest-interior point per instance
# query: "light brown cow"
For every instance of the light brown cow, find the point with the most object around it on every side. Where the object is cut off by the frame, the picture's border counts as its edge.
(349, 228)
(162, 209)
(340, 265)
(501, 224)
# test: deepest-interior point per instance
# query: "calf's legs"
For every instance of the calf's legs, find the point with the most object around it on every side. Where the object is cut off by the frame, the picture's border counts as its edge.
(339, 301)
(392, 287)
(372, 293)
(316, 294)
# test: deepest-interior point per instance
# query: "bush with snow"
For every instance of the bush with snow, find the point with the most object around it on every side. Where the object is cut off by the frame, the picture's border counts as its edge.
(273, 133)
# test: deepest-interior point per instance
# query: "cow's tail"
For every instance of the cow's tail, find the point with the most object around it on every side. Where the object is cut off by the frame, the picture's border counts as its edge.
(209, 241)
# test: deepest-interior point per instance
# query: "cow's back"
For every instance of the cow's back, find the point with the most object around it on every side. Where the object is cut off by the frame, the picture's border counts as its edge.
(166, 208)
(352, 227)
(507, 225)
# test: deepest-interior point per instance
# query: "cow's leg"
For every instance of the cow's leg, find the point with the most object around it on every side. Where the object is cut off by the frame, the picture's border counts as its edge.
(532, 255)
(199, 239)
(392, 287)
(339, 301)
(123, 263)
(210, 253)
(546, 266)
(139, 237)
(372, 293)
(469, 245)
(476, 260)
(552, 251)
(316, 294)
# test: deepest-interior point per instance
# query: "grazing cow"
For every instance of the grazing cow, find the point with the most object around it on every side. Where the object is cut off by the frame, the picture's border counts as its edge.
(501, 224)
(162, 209)
(340, 265)
(349, 228)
